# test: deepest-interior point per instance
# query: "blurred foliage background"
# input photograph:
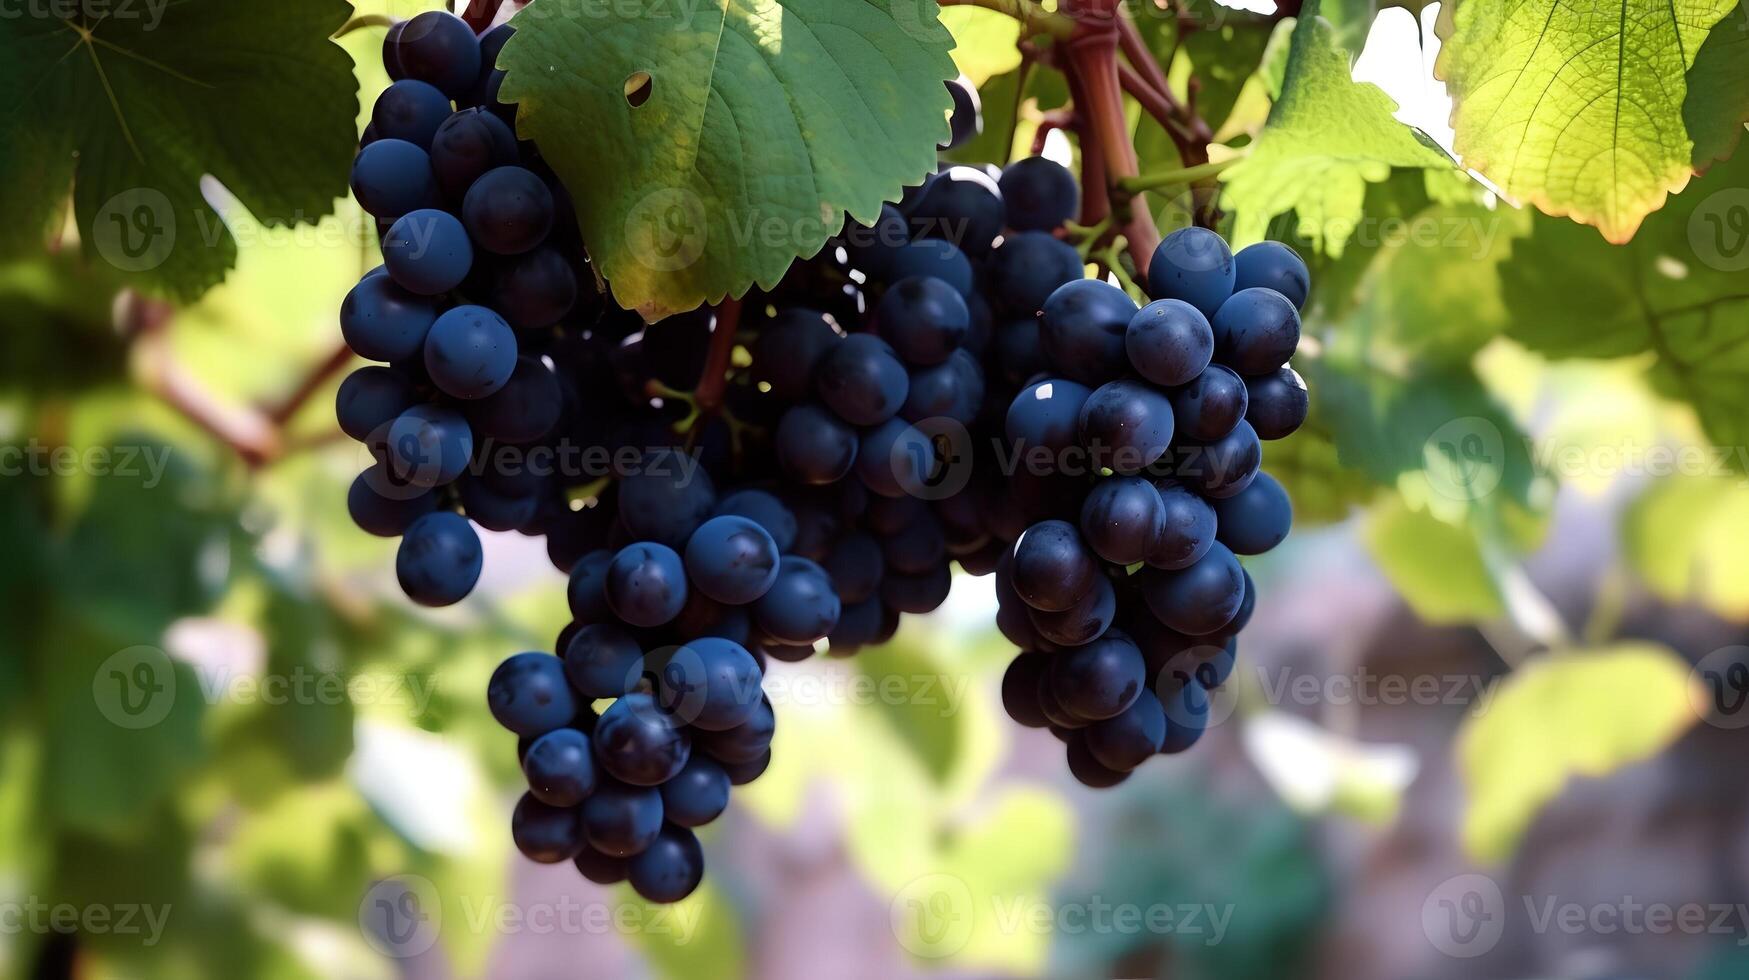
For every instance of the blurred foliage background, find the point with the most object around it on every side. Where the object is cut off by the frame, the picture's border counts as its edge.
(1506, 640)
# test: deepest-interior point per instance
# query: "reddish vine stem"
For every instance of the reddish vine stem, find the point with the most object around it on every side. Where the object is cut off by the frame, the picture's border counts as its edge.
(1092, 58)
(480, 13)
(245, 431)
(1095, 208)
(709, 396)
(312, 382)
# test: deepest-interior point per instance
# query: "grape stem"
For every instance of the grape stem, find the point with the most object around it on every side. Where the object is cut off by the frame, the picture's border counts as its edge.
(1033, 17)
(364, 22)
(1092, 57)
(708, 398)
(1176, 176)
(481, 13)
(246, 431)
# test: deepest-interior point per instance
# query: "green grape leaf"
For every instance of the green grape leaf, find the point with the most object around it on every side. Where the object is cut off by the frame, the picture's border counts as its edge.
(1323, 491)
(1327, 137)
(129, 112)
(926, 726)
(1223, 59)
(1576, 108)
(1684, 536)
(1717, 104)
(1437, 567)
(1675, 295)
(1580, 713)
(765, 122)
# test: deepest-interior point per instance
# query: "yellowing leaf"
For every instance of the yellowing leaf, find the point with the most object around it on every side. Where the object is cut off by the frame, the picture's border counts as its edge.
(1576, 108)
(1685, 537)
(1437, 567)
(985, 42)
(1583, 713)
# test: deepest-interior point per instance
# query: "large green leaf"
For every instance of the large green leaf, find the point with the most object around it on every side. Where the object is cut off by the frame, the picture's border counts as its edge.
(1438, 568)
(1674, 293)
(1717, 104)
(1685, 535)
(1223, 58)
(766, 121)
(986, 43)
(1328, 136)
(1574, 714)
(129, 111)
(1576, 108)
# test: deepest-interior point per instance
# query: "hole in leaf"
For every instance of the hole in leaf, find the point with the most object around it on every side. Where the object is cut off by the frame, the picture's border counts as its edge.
(637, 88)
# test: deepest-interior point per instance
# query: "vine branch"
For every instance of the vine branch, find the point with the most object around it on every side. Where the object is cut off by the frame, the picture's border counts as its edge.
(711, 384)
(1033, 17)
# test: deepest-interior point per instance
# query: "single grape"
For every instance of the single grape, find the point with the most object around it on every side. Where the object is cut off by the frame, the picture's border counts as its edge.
(369, 399)
(800, 607)
(966, 119)
(1186, 532)
(813, 446)
(427, 252)
(1277, 404)
(391, 54)
(1256, 331)
(1126, 426)
(855, 565)
(1027, 268)
(666, 498)
(1098, 680)
(528, 694)
(1187, 717)
(620, 820)
(508, 211)
(1047, 414)
(439, 559)
(953, 389)
(535, 290)
(1052, 569)
(560, 768)
(391, 177)
(465, 147)
(859, 625)
(525, 409)
(711, 684)
(470, 352)
(1272, 265)
(1081, 623)
(670, 868)
(788, 350)
(934, 258)
(381, 506)
(603, 660)
(732, 560)
(587, 592)
(743, 744)
(742, 773)
(602, 869)
(1211, 405)
(485, 89)
(1038, 194)
(916, 548)
(1169, 342)
(961, 205)
(439, 47)
(1087, 770)
(1082, 331)
(1255, 519)
(698, 794)
(862, 380)
(410, 110)
(925, 320)
(381, 321)
(765, 510)
(494, 509)
(1126, 741)
(429, 445)
(1200, 599)
(646, 584)
(1194, 265)
(545, 833)
(1018, 354)
(1122, 519)
(1020, 689)
(894, 458)
(917, 594)
(1224, 467)
(638, 743)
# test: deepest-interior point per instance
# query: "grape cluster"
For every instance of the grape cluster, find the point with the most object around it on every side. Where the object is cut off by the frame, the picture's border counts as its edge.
(881, 420)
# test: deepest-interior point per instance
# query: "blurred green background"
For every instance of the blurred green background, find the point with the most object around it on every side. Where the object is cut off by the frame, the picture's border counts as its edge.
(1494, 686)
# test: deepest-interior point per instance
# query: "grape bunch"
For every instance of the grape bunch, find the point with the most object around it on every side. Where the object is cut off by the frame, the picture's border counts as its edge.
(880, 420)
